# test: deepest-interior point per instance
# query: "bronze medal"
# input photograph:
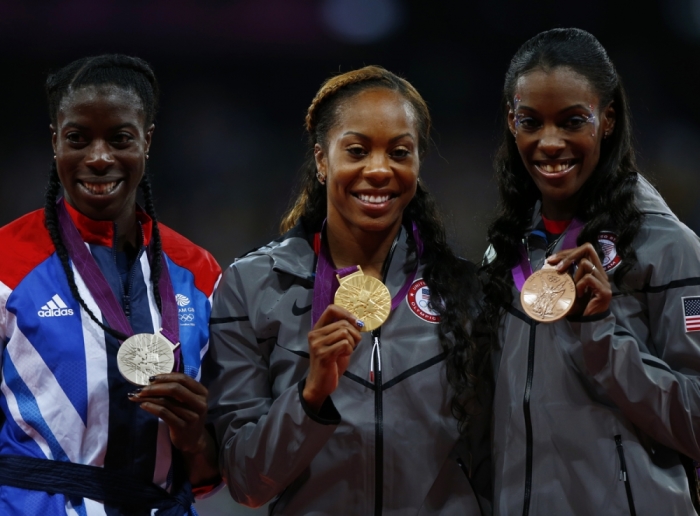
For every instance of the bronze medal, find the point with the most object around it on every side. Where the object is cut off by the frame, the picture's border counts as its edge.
(144, 355)
(547, 295)
(365, 297)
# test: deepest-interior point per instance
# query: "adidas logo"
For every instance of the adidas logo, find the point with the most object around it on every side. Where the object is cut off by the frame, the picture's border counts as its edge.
(55, 308)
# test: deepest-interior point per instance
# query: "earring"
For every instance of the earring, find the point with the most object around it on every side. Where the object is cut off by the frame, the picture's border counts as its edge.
(321, 178)
(54, 157)
(606, 134)
(147, 156)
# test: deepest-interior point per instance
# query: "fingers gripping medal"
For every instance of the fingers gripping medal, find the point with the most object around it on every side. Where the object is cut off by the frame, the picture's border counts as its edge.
(547, 295)
(365, 297)
(144, 355)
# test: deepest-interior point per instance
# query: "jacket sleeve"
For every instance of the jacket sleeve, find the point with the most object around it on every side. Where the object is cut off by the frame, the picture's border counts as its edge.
(643, 357)
(265, 442)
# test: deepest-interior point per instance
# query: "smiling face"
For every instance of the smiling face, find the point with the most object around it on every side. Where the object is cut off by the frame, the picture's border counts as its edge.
(100, 144)
(370, 162)
(559, 124)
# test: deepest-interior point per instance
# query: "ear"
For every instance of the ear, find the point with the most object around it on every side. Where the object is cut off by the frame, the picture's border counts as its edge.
(511, 121)
(321, 161)
(608, 118)
(148, 137)
(54, 137)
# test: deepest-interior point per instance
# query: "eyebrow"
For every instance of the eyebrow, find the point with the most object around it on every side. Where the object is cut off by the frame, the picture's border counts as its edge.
(355, 133)
(569, 108)
(76, 125)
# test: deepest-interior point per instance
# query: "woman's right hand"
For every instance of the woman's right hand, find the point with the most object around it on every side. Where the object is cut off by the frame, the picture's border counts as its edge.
(331, 342)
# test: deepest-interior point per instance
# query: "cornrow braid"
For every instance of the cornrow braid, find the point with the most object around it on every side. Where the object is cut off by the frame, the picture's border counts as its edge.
(51, 221)
(157, 250)
(128, 73)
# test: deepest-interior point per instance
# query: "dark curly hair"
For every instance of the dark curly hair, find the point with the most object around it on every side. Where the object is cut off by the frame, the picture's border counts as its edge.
(607, 198)
(131, 74)
(452, 281)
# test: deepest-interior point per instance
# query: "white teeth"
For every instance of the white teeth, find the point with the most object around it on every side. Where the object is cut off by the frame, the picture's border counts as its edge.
(373, 199)
(100, 188)
(557, 167)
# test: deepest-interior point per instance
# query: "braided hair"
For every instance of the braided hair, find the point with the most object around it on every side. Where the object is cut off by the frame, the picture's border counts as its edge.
(452, 281)
(128, 73)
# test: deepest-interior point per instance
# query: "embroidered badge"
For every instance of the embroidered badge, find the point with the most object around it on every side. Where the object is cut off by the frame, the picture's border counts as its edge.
(418, 299)
(691, 313)
(607, 243)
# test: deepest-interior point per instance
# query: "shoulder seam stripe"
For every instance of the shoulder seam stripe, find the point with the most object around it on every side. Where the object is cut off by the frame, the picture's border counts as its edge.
(657, 365)
(520, 315)
(224, 320)
(688, 282)
(359, 380)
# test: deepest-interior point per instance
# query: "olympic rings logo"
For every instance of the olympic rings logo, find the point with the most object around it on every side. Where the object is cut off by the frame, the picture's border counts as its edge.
(186, 317)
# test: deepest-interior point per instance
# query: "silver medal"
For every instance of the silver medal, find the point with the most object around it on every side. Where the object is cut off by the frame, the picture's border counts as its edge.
(144, 355)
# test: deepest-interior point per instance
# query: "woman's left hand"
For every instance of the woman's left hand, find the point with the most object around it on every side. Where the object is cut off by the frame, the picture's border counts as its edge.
(181, 402)
(593, 292)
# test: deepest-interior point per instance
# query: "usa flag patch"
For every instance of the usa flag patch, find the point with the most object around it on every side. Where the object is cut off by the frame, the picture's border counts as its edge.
(691, 313)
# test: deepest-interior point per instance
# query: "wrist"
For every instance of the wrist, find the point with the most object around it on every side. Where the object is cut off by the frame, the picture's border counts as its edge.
(313, 399)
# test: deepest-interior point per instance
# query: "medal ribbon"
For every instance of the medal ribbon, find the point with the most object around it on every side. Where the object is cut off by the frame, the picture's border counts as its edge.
(104, 296)
(522, 270)
(326, 282)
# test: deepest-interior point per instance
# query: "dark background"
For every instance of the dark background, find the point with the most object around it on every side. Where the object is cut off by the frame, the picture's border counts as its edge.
(237, 78)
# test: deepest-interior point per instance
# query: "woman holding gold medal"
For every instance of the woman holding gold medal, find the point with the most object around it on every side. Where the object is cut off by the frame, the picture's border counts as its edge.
(592, 291)
(332, 393)
(102, 411)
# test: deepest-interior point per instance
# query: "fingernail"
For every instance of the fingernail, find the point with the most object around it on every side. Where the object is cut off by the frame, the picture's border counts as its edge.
(550, 258)
(152, 378)
(560, 266)
(132, 394)
(359, 323)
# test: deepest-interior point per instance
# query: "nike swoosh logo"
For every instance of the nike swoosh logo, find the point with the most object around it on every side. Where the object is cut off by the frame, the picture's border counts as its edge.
(296, 310)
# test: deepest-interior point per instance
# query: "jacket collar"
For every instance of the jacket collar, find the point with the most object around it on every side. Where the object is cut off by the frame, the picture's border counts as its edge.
(101, 232)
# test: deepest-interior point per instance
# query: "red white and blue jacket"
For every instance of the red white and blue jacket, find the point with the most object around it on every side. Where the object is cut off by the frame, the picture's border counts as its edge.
(62, 397)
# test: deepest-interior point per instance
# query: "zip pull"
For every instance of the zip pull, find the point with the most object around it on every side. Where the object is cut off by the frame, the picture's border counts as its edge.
(375, 348)
(623, 467)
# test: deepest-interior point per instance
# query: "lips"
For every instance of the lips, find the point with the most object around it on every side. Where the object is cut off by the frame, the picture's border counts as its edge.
(103, 188)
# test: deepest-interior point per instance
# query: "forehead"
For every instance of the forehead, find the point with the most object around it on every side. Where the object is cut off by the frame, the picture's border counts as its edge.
(377, 108)
(101, 101)
(557, 87)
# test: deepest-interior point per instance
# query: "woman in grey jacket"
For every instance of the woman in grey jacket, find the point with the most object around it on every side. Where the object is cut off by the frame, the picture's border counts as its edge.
(308, 410)
(599, 412)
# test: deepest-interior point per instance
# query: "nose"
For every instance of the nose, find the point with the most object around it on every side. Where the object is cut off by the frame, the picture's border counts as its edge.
(378, 170)
(99, 156)
(551, 142)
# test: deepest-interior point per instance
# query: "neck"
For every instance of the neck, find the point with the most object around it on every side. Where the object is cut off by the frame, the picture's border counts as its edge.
(353, 246)
(127, 232)
(560, 210)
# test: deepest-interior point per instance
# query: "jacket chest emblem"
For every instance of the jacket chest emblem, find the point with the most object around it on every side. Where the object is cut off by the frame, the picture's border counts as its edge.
(185, 312)
(607, 243)
(418, 299)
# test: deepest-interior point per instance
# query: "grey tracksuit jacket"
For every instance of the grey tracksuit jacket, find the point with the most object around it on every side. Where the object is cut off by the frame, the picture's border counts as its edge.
(590, 415)
(389, 447)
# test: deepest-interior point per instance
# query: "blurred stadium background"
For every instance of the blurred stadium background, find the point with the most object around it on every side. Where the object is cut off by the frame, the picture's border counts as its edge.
(237, 76)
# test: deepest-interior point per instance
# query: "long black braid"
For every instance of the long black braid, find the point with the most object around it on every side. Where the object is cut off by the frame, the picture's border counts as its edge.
(129, 73)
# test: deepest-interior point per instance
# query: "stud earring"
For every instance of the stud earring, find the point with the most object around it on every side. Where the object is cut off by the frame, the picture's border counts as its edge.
(147, 156)
(321, 178)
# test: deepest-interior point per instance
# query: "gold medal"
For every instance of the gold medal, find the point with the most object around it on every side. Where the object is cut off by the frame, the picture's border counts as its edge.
(365, 297)
(144, 355)
(547, 295)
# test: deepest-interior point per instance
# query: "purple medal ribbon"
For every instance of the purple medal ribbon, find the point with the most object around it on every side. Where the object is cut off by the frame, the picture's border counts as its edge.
(522, 270)
(326, 282)
(104, 296)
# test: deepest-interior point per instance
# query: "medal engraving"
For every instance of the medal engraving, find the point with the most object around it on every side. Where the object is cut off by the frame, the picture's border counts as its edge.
(365, 297)
(144, 355)
(547, 296)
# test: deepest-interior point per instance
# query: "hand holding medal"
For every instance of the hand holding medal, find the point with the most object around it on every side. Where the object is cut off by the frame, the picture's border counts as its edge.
(593, 292)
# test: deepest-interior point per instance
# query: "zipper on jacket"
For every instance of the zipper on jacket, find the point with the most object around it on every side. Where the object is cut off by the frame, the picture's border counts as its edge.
(528, 419)
(624, 477)
(126, 296)
(378, 424)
